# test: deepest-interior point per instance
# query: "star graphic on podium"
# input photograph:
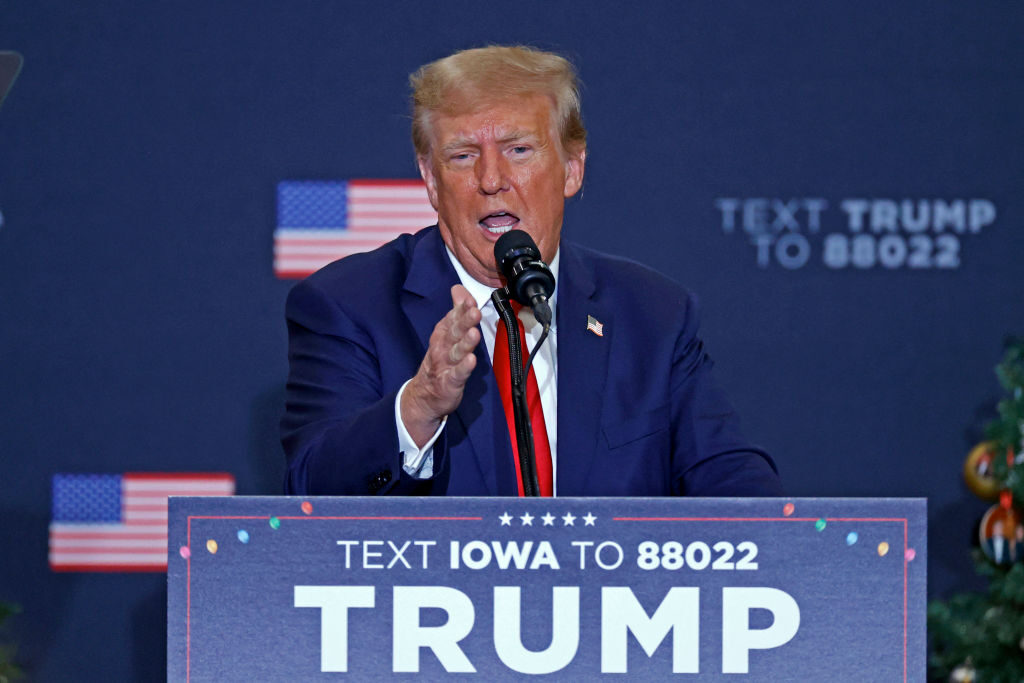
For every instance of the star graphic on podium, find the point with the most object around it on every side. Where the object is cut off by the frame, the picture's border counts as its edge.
(568, 518)
(527, 519)
(588, 519)
(549, 519)
(506, 519)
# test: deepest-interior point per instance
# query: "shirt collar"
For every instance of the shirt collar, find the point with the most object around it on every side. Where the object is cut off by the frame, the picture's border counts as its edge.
(481, 293)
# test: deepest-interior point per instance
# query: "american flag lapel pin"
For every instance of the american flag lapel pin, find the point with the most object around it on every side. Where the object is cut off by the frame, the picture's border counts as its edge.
(595, 326)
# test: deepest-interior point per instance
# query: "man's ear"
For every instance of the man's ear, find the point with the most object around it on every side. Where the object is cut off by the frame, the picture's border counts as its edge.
(427, 173)
(575, 163)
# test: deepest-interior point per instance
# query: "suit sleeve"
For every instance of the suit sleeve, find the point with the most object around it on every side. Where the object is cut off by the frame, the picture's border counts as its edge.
(338, 430)
(718, 460)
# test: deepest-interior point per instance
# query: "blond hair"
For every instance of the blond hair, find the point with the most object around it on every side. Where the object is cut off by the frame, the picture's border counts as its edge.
(470, 79)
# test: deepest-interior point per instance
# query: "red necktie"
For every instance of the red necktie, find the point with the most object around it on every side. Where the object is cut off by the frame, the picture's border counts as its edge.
(501, 363)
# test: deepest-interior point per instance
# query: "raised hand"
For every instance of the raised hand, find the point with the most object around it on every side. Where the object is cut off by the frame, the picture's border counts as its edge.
(436, 389)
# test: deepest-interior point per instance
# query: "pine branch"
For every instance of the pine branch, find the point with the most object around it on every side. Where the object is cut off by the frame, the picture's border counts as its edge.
(985, 631)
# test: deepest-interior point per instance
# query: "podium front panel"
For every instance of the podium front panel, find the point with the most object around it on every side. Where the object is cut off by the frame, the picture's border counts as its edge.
(292, 588)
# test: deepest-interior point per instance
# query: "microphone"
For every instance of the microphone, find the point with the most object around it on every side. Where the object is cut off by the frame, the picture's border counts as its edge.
(530, 281)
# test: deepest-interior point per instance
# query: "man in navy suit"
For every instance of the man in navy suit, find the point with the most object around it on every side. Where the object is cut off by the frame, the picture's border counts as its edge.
(391, 388)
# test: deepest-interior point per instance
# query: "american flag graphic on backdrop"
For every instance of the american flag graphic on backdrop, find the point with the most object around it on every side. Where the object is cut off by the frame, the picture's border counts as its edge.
(118, 522)
(319, 221)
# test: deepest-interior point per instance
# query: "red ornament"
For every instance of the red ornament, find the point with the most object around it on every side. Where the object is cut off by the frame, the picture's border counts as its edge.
(1001, 534)
(1006, 500)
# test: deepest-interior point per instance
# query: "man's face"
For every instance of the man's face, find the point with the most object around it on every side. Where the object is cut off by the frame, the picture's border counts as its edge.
(498, 169)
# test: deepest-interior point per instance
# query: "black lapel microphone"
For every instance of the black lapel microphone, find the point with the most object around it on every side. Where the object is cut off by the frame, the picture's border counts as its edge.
(529, 279)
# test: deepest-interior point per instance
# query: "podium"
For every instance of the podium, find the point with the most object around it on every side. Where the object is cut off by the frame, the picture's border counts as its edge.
(764, 589)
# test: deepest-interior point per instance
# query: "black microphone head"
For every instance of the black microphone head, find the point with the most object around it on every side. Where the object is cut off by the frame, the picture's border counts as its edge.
(519, 261)
(512, 245)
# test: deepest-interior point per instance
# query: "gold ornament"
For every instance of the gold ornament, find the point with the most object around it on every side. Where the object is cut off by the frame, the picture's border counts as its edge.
(978, 471)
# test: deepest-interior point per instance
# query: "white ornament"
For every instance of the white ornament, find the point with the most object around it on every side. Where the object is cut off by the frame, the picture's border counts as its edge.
(962, 674)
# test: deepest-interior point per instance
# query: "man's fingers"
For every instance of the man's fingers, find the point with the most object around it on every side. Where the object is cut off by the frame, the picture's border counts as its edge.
(464, 308)
(450, 358)
(463, 318)
(461, 295)
(457, 325)
(461, 371)
(464, 345)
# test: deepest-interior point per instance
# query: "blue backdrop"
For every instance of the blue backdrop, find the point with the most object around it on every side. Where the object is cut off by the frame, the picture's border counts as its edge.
(141, 324)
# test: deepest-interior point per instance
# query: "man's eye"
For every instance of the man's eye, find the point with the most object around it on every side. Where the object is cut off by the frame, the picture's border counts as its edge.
(461, 156)
(520, 149)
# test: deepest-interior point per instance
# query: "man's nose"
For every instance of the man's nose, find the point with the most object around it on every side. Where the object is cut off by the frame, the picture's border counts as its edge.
(492, 172)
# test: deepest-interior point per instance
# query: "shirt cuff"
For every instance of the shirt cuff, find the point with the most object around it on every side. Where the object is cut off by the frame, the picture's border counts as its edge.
(417, 462)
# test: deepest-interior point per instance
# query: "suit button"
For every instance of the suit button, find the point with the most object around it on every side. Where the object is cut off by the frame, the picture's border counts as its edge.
(379, 480)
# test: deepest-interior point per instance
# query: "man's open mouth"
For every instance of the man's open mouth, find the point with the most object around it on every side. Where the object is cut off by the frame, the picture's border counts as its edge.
(499, 222)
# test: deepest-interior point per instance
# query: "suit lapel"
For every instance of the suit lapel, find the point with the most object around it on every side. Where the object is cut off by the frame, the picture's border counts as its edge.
(582, 371)
(426, 298)
(426, 294)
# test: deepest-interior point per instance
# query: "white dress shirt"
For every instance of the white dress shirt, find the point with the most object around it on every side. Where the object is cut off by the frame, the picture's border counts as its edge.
(419, 462)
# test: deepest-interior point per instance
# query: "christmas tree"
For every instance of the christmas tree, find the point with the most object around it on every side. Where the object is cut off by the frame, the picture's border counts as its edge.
(8, 671)
(979, 637)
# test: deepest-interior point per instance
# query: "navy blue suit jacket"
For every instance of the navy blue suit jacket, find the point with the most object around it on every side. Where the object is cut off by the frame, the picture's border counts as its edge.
(639, 413)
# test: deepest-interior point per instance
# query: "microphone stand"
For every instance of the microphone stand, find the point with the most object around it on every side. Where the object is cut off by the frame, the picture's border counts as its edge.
(520, 410)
